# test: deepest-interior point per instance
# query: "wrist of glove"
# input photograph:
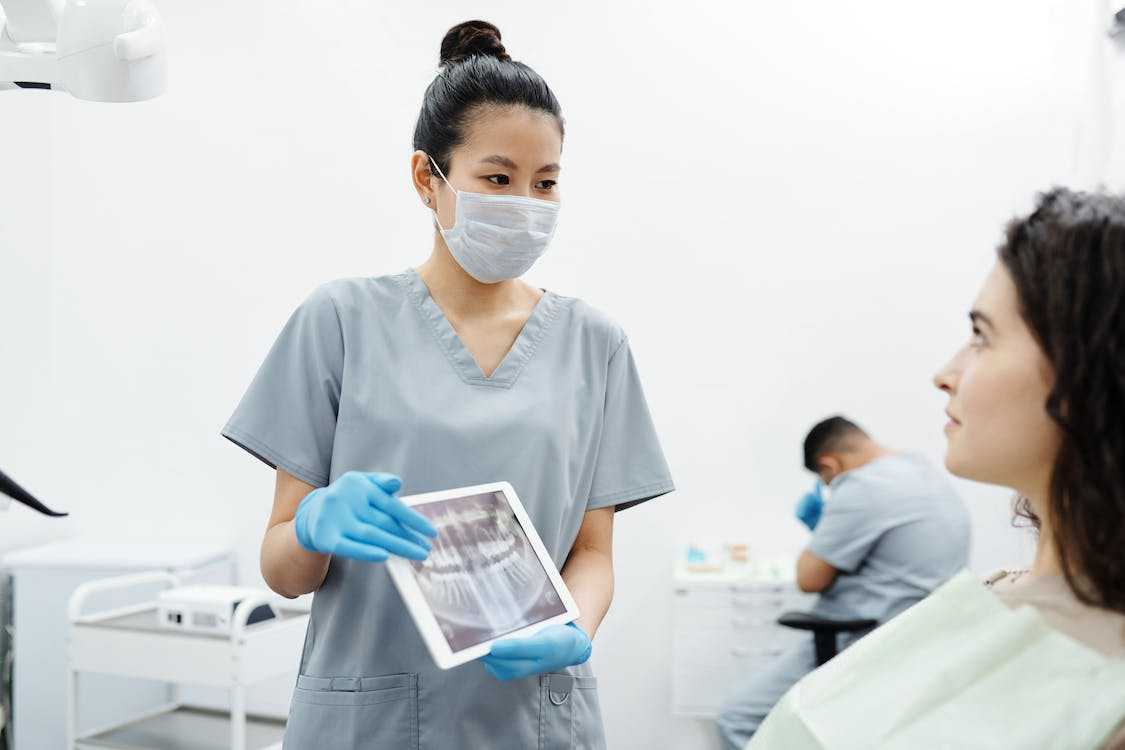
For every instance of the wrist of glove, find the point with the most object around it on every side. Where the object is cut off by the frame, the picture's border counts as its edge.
(551, 649)
(358, 516)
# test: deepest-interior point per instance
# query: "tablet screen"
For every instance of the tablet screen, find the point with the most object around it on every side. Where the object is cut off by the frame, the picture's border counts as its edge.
(482, 579)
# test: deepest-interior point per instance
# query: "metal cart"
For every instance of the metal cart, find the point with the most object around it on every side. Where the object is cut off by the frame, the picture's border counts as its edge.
(128, 641)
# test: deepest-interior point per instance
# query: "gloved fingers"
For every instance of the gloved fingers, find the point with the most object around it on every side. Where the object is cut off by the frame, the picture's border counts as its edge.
(398, 510)
(575, 631)
(506, 670)
(345, 547)
(500, 673)
(413, 536)
(568, 635)
(375, 536)
(583, 646)
(492, 671)
(553, 640)
(375, 517)
(389, 483)
(522, 648)
(808, 510)
(808, 503)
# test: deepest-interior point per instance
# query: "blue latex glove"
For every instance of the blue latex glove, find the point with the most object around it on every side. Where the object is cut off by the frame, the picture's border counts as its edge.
(810, 506)
(551, 649)
(358, 516)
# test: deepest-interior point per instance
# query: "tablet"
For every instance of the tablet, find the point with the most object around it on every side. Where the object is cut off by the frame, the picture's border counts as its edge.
(487, 577)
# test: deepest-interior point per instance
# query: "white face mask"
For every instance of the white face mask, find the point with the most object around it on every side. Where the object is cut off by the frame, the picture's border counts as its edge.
(498, 237)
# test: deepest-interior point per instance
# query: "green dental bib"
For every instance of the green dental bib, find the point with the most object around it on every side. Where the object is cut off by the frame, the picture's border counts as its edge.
(959, 670)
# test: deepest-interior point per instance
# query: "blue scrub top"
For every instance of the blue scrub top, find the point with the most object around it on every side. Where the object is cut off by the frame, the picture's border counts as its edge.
(896, 530)
(369, 375)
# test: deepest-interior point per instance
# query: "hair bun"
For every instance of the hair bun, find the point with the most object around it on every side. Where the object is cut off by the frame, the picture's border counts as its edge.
(470, 39)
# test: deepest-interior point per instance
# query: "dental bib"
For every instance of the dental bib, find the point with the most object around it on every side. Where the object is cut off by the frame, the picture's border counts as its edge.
(960, 670)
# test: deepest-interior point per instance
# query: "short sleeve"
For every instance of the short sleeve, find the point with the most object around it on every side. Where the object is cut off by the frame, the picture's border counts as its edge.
(287, 417)
(630, 464)
(849, 527)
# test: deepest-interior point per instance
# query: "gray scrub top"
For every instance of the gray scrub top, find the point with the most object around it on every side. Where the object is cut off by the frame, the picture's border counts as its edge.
(896, 530)
(369, 375)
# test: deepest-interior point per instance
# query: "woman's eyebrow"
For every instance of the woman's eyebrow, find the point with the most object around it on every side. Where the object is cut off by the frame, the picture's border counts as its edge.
(499, 160)
(978, 317)
(507, 163)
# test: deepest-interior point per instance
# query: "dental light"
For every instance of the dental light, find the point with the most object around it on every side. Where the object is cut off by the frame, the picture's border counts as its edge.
(98, 50)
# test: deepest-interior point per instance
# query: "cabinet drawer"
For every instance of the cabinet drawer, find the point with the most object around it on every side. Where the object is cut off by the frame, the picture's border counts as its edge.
(730, 618)
(755, 620)
(698, 597)
(700, 694)
(748, 600)
(695, 652)
(723, 634)
(702, 618)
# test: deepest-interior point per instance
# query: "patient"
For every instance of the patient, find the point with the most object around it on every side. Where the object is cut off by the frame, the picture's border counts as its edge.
(1036, 402)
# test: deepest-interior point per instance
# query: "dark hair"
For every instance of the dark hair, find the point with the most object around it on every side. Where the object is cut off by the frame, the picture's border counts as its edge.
(1067, 260)
(476, 71)
(829, 436)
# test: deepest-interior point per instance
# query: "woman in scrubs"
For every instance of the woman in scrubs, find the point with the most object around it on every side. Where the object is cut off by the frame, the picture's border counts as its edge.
(452, 374)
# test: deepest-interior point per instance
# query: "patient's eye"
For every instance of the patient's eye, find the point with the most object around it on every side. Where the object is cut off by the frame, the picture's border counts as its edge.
(979, 339)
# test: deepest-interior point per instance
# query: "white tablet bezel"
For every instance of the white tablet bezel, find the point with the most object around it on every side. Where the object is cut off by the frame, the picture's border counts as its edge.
(402, 574)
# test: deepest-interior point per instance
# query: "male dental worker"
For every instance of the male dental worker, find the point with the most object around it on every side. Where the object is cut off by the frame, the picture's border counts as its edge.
(891, 531)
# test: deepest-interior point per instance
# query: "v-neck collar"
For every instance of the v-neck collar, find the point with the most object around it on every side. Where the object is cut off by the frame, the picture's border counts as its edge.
(517, 357)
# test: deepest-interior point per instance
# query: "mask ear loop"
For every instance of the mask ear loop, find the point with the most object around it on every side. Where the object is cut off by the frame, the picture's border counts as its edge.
(441, 174)
(437, 224)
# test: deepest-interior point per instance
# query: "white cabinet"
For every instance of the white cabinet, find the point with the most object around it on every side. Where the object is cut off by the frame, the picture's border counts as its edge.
(43, 578)
(724, 628)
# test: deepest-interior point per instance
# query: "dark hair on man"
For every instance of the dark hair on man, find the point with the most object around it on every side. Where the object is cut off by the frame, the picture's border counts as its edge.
(829, 436)
(476, 71)
(1067, 260)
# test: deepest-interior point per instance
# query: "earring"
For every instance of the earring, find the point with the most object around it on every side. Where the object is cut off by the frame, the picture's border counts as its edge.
(426, 200)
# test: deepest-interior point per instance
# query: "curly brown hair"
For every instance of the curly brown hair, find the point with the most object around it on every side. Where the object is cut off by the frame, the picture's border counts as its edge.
(1067, 260)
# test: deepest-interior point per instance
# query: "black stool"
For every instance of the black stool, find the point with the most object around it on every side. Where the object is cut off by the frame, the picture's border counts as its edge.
(824, 630)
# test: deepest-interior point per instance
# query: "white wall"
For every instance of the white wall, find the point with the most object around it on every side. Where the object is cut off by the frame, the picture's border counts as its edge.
(789, 208)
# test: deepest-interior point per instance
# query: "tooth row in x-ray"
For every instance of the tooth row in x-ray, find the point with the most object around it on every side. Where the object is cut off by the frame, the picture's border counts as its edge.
(482, 571)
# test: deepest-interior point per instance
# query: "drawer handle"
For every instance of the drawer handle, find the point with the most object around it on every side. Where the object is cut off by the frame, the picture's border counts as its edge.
(756, 652)
(753, 622)
(746, 601)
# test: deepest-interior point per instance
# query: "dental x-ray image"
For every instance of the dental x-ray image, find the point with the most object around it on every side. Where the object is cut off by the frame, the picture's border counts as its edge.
(482, 578)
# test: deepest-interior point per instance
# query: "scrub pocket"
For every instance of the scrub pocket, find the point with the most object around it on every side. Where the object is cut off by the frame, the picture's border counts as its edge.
(570, 717)
(354, 713)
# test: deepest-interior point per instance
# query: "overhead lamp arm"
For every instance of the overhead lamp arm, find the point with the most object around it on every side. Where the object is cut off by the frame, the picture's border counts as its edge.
(9, 487)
